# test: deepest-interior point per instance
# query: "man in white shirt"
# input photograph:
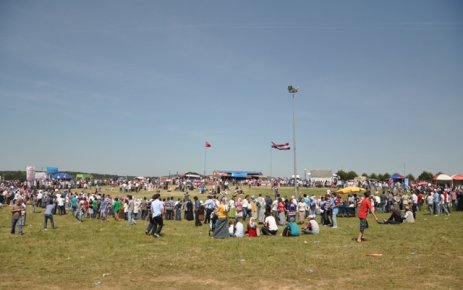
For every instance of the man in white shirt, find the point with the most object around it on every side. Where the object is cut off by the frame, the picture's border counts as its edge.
(312, 226)
(270, 225)
(157, 209)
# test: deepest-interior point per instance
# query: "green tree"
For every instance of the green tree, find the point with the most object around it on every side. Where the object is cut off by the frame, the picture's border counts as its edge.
(426, 176)
(351, 175)
(342, 174)
(386, 176)
(374, 176)
(410, 176)
(365, 174)
(14, 175)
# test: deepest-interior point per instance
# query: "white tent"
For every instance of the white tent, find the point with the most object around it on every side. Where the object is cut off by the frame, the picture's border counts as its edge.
(443, 177)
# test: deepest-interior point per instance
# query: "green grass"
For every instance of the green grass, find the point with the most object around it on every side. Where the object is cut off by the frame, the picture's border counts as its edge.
(113, 255)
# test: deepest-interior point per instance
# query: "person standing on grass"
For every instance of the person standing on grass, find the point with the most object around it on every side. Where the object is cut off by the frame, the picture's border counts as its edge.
(365, 206)
(221, 225)
(116, 207)
(16, 209)
(430, 201)
(437, 206)
(74, 202)
(281, 212)
(22, 218)
(335, 201)
(301, 210)
(157, 210)
(209, 204)
(48, 215)
(189, 216)
(178, 209)
(130, 210)
(197, 210)
(103, 208)
(244, 207)
(261, 206)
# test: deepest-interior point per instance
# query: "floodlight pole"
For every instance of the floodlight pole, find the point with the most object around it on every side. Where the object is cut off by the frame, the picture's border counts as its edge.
(293, 90)
(204, 170)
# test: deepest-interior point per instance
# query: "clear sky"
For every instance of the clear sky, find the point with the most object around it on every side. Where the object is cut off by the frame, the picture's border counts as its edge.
(137, 87)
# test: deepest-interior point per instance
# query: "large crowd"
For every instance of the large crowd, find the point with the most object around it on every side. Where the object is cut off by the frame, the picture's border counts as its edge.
(227, 213)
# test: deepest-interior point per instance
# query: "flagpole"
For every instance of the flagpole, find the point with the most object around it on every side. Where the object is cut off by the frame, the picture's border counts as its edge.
(271, 164)
(204, 171)
(293, 90)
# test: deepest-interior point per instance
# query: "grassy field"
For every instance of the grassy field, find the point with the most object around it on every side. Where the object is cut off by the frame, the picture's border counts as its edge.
(114, 255)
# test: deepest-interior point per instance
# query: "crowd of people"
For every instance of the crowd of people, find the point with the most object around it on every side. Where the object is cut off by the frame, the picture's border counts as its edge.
(231, 215)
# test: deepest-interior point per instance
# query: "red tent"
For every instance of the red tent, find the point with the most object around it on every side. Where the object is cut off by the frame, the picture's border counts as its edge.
(457, 177)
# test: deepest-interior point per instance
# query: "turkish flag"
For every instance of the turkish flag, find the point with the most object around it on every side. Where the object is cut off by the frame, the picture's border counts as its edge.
(207, 144)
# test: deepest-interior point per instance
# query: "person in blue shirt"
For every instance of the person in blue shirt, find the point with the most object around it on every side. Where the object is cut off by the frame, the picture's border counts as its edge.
(74, 204)
(436, 203)
(48, 214)
(291, 229)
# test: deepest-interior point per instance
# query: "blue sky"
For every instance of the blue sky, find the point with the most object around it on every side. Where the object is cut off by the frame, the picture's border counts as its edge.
(136, 87)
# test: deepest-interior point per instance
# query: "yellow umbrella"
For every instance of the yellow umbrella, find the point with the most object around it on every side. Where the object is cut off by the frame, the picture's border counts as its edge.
(350, 189)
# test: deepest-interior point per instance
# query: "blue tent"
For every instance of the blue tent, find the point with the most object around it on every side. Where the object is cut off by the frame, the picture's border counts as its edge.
(397, 177)
(61, 176)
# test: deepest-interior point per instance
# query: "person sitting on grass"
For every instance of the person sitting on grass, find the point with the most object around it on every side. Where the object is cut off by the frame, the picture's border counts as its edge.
(291, 229)
(408, 217)
(312, 226)
(395, 218)
(270, 225)
(252, 228)
(237, 229)
(231, 228)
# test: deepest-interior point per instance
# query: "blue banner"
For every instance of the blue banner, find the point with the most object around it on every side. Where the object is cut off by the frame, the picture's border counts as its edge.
(52, 169)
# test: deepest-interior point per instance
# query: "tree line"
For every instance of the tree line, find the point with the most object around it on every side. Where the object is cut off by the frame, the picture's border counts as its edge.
(343, 175)
(21, 175)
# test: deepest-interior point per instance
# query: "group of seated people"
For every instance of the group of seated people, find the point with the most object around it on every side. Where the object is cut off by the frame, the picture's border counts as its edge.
(291, 229)
(397, 217)
(270, 227)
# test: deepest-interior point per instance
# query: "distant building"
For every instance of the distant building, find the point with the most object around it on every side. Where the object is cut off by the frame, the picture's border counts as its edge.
(321, 177)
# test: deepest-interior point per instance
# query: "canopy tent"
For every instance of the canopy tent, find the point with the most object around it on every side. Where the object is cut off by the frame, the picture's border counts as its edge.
(192, 175)
(423, 182)
(237, 174)
(350, 189)
(84, 176)
(41, 176)
(457, 177)
(397, 177)
(442, 177)
(61, 176)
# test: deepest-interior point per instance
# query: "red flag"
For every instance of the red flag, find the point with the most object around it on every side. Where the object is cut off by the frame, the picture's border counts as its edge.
(207, 144)
(284, 146)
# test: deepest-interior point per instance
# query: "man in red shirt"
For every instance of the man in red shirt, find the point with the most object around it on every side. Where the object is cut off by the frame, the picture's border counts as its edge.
(365, 206)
